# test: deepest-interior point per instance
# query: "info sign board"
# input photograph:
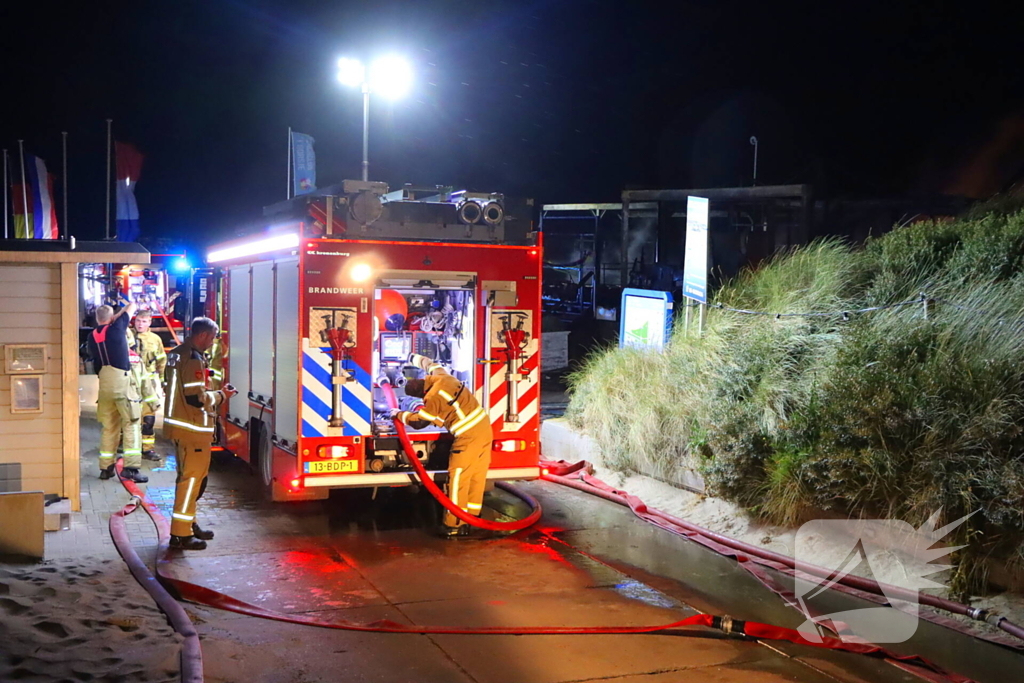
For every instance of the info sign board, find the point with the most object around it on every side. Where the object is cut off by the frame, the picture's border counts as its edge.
(646, 319)
(695, 266)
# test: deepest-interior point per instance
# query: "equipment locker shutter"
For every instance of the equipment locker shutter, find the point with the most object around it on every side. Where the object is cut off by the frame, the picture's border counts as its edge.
(286, 348)
(263, 330)
(238, 341)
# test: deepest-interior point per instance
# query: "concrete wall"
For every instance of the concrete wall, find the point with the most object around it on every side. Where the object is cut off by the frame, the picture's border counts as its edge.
(30, 313)
(559, 441)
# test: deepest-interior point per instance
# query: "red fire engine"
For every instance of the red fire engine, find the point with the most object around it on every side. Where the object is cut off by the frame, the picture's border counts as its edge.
(321, 309)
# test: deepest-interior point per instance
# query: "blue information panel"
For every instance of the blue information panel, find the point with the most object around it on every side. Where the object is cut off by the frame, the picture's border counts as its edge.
(695, 266)
(646, 320)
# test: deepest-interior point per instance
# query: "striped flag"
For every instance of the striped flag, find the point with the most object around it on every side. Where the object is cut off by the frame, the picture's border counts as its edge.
(39, 219)
(44, 218)
(129, 165)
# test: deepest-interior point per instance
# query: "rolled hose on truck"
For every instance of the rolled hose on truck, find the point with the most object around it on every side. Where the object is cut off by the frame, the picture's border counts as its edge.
(164, 588)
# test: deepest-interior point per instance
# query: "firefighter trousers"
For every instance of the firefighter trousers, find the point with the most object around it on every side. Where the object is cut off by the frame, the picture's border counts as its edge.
(119, 411)
(150, 405)
(467, 474)
(193, 465)
(148, 431)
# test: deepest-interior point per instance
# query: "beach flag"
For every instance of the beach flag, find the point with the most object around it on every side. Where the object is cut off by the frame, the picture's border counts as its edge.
(129, 165)
(38, 220)
(44, 218)
(23, 226)
(303, 164)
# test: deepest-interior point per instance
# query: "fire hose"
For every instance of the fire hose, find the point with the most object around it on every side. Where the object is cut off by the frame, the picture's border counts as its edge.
(576, 475)
(440, 496)
(161, 586)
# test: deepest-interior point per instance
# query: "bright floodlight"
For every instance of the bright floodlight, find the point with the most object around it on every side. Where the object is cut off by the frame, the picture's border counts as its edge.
(390, 76)
(351, 72)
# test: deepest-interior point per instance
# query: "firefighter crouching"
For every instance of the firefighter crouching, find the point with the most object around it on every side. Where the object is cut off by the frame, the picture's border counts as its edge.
(154, 362)
(190, 416)
(448, 403)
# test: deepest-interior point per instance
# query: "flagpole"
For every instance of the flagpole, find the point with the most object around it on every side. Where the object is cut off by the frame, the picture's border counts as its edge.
(24, 187)
(64, 141)
(109, 121)
(288, 174)
(6, 234)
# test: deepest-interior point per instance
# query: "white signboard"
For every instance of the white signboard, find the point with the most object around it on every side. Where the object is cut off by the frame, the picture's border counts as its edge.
(646, 318)
(695, 267)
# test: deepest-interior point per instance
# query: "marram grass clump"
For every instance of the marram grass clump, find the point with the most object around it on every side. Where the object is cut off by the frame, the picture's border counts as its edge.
(896, 412)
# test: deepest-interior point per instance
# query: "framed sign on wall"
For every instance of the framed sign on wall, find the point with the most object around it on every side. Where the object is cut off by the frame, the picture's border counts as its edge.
(25, 358)
(27, 394)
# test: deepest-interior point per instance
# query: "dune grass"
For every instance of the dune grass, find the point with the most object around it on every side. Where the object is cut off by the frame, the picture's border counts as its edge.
(887, 413)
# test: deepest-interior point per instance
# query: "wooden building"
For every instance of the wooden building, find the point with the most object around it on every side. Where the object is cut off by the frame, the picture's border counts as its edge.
(39, 352)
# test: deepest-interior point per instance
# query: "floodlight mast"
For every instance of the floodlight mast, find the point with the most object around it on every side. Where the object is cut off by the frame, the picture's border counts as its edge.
(366, 131)
(390, 76)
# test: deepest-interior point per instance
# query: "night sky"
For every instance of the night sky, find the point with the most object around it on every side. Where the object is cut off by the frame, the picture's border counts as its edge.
(561, 101)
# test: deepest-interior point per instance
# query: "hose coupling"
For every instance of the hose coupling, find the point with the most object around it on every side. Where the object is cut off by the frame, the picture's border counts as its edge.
(728, 625)
(985, 615)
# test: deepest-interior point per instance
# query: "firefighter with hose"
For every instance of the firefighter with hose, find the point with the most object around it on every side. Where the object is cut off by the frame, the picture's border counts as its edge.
(190, 417)
(448, 403)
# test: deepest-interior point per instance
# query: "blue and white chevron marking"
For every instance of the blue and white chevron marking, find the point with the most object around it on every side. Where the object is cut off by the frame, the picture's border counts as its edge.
(357, 396)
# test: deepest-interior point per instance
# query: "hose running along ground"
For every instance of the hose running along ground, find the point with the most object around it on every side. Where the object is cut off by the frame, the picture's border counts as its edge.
(191, 651)
(198, 594)
(577, 475)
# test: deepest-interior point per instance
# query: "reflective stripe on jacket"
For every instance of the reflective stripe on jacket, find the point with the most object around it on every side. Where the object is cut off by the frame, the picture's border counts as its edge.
(190, 407)
(449, 404)
(151, 348)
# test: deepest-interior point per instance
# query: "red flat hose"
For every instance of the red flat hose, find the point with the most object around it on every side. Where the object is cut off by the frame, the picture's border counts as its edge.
(191, 653)
(191, 657)
(440, 496)
(576, 475)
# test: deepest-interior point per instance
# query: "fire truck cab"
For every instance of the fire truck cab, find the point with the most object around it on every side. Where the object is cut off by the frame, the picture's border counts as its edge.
(322, 309)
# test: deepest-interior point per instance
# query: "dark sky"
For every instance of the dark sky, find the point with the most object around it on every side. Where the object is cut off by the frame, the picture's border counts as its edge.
(562, 101)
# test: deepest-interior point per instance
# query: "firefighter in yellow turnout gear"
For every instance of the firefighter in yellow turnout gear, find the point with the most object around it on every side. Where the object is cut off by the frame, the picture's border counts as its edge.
(154, 362)
(118, 405)
(216, 357)
(448, 403)
(190, 416)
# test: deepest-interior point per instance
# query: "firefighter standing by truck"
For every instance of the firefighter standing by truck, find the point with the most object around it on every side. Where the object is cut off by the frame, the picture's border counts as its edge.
(118, 406)
(190, 416)
(448, 403)
(154, 362)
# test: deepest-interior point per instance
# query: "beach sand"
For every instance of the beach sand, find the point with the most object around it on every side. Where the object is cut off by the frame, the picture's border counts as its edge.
(83, 620)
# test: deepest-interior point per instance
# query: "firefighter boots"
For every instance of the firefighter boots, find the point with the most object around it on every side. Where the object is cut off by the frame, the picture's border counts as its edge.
(187, 543)
(201, 533)
(133, 474)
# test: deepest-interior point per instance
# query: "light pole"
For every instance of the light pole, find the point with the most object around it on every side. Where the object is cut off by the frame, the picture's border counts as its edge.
(389, 76)
(753, 141)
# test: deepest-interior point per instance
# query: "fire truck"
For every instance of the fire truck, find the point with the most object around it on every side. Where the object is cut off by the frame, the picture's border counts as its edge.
(325, 306)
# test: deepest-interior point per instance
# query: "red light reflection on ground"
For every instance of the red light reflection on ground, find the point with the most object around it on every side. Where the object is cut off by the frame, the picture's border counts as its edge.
(542, 546)
(305, 562)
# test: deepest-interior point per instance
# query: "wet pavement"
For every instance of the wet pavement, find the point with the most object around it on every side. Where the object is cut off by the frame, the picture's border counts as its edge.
(363, 557)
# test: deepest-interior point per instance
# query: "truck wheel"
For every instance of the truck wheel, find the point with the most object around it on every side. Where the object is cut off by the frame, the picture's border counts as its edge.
(262, 450)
